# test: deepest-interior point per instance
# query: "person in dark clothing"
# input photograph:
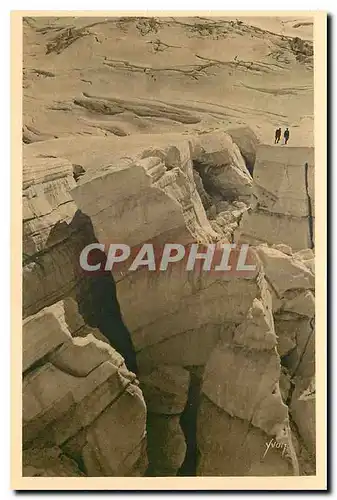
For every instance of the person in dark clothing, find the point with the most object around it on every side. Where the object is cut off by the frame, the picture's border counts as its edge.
(277, 135)
(286, 135)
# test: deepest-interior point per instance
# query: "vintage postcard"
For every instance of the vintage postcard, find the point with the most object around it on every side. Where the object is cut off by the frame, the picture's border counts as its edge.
(165, 172)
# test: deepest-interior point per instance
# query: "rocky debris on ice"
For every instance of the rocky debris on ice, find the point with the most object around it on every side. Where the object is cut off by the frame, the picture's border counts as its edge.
(228, 217)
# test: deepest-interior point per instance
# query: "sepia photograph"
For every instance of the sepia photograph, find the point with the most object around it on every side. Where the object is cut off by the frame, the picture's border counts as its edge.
(169, 234)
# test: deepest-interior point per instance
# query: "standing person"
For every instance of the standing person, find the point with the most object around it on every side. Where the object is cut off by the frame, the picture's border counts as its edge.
(277, 135)
(286, 135)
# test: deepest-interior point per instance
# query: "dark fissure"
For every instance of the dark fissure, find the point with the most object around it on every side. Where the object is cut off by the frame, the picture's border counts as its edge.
(188, 423)
(310, 216)
(99, 307)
